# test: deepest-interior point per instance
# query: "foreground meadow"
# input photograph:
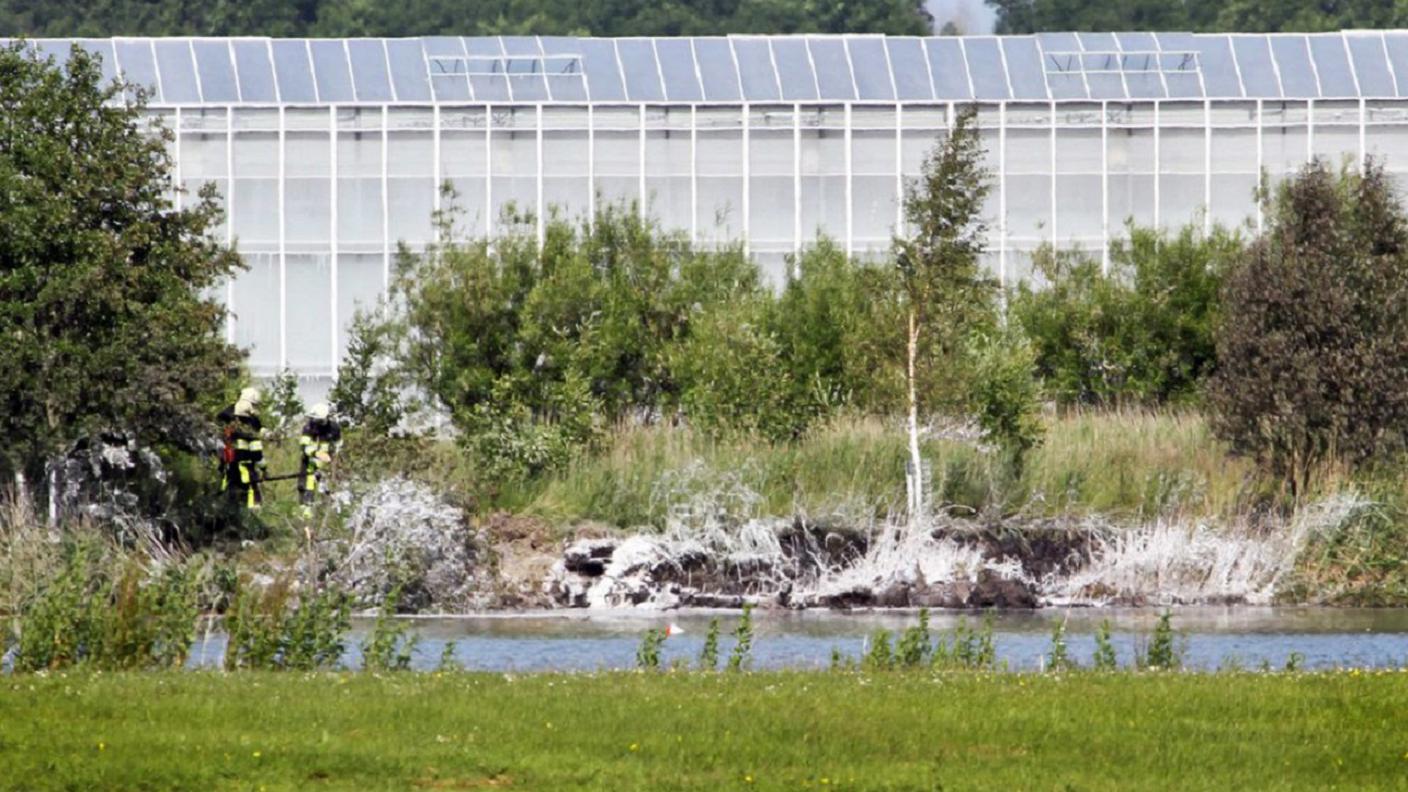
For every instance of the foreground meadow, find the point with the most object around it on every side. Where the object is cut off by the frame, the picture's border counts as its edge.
(705, 731)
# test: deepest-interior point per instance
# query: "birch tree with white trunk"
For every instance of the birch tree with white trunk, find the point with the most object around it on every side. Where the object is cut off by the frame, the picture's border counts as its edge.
(946, 293)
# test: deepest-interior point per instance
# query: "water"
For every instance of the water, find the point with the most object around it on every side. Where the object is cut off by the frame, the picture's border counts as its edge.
(1210, 637)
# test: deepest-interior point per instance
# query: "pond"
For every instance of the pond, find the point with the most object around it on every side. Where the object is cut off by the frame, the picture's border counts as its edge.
(1209, 637)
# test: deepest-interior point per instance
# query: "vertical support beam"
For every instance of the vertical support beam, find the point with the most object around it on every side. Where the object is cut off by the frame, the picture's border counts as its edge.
(899, 170)
(230, 317)
(796, 188)
(1363, 135)
(1309, 130)
(694, 174)
(491, 218)
(1105, 188)
(1260, 160)
(1001, 194)
(640, 161)
(747, 179)
(385, 202)
(1051, 140)
(1207, 165)
(1158, 168)
(283, 252)
(335, 320)
(850, 188)
(176, 197)
(435, 158)
(538, 182)
(591, 167)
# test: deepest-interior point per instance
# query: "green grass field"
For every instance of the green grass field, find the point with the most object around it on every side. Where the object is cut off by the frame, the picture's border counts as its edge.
(624, 731)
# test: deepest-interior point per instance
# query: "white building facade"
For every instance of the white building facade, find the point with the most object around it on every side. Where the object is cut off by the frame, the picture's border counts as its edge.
(330, 153)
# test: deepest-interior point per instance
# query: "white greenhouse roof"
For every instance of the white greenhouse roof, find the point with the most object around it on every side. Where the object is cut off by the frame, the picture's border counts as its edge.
(537, 69)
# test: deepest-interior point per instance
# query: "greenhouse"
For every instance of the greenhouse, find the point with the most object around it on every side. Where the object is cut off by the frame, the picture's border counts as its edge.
(329, 154)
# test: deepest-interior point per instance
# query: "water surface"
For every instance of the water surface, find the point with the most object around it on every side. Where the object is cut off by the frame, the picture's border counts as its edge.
(1209, 637)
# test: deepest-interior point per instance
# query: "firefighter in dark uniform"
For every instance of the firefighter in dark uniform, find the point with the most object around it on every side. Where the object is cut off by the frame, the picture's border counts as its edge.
(319, 442)
(242, 457)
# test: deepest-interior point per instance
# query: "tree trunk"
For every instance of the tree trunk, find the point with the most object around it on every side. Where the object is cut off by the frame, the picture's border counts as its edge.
(914, 480)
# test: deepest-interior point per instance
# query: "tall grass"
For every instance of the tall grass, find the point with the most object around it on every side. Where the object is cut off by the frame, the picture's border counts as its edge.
(1123, 464)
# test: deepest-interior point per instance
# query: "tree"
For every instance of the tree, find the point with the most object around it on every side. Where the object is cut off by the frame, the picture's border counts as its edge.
(1313, 343)
(946, 294)
(1140, 333)
(101, 276)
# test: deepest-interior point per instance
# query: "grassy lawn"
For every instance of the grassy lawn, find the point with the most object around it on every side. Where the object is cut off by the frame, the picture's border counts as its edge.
(704, 731)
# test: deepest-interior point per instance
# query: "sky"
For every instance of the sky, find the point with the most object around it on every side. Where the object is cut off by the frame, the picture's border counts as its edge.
(970, 16)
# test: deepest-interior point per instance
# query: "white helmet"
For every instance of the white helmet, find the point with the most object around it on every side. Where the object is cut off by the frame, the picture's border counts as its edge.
(250, 395)
(244, 409)
(320, 411)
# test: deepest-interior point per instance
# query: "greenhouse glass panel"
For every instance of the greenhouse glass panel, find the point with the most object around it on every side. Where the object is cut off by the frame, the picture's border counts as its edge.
(985, 67)
(449, 73)
(641, 70)
(1332, 66)
(217, 73)
(562, 64)
(1142, 65)
(909, 65)
(359, 284)
(1397, 45)
(1293, 64)
(293, 68)
(949, 67)
(256, 311)
(369, 78)
(1102, 66)
(359, 211)
(58, 49)
(603, 70)
(102, 48)
(794, 69)
(330, 71)
(717, 69)
(871, 70)
(1191, 62)
(1370, 64)
(677, 66)
(1064, 73)
(833, 69)
(308, 279)
(1024, 68)
(138, 65)
(408, 73)
(526, 79)
(254, 71)
(1255, 66)
(756, 70)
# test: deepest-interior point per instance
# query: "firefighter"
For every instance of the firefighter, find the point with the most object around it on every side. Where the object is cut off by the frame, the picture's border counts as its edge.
(319, 442)
(243, 455)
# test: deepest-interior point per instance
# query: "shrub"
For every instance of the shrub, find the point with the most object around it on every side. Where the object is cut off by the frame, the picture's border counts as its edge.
(1005, 396)
(367, 390)
(388, 647)
(1141, 333)
(915, 646)
(1162, 654)
(648, 653)
(270, 629)
(733, 377)
(742, 654)
(880, 656)
(1059, 658)
(709, 655)
(1105, 658)
(1313, 343)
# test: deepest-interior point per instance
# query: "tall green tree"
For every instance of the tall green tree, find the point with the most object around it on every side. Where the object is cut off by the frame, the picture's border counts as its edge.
(101, 278)
(946, 294)
(1313, 343)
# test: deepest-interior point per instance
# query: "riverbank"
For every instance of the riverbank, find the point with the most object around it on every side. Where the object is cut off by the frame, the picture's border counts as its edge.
(652, 731)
